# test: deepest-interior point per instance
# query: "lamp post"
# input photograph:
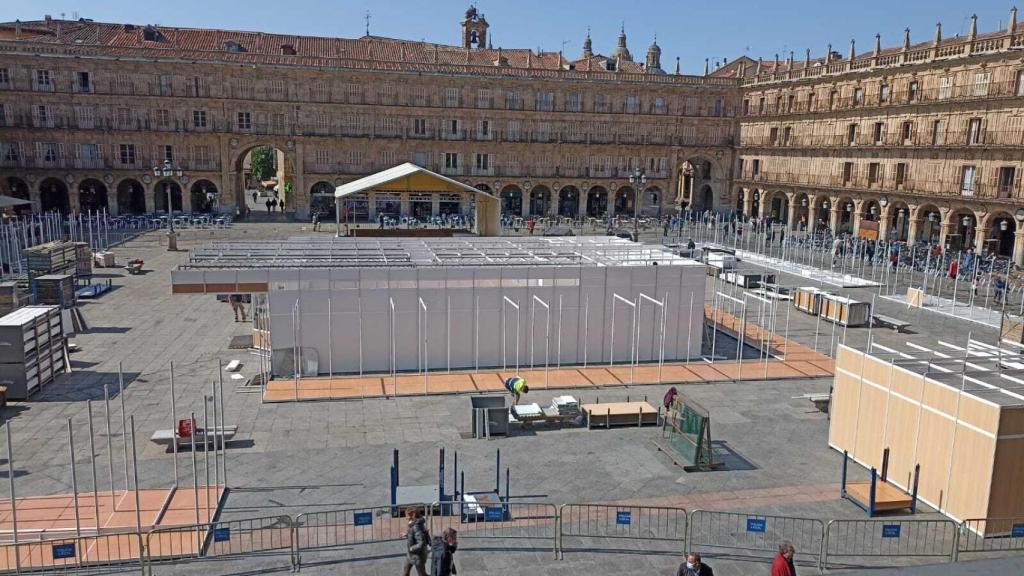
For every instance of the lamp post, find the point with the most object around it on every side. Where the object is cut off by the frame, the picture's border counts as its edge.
(638, 179)
(168, 171)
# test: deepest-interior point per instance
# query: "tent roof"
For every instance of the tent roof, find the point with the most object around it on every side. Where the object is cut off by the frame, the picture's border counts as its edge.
(397, 173)
(9, 201)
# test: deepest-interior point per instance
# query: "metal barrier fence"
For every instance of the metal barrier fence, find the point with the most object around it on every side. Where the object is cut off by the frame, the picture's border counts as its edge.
(639, 524)
(532, 526)
(989, 535)
(867, 539)
(755, 533)
(348, 527)
(271, 535)
(71, 553)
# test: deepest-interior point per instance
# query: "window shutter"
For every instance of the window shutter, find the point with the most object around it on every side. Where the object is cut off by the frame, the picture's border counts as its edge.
(78, 151)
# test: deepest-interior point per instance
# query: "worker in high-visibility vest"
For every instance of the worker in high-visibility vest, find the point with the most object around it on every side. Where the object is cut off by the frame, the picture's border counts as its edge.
(517, 387)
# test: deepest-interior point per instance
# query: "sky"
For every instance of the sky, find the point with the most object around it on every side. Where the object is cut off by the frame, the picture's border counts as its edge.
(686, 29)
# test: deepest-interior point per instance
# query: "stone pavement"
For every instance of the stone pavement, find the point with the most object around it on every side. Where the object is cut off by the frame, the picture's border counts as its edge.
(319, 456)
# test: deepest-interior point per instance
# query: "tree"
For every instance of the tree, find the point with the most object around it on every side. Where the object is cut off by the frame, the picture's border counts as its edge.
(261, 163)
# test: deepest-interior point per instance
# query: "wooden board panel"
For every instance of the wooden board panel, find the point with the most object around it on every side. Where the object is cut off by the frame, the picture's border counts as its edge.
(620, 414)
(876, 371)
(970, 474)
(906, 383)
(843, 412)
(901, 439)
(979, 414)
(1011, 421)
(940, 397)
(870, 426)
(887, 496)
(915, 297)
(1006, 495)
(933, 453)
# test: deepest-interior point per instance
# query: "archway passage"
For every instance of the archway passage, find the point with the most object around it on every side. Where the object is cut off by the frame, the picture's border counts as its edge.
(53, 195)
(802, 212)
(203, 196)
(597, 202)
(131, 197)
(18, 188)
(160, 191)
(652, 196)
(321, 197)
(92, 195)
(707, 198)
(511, 201)
(624, 201)
(568, 202)
(540, 200)
(929, 224)
(265, 172)
(1001, 236)
(899, 221)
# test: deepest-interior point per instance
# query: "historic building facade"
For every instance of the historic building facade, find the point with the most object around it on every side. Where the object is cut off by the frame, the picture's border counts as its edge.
(88, 109)
(921, 141)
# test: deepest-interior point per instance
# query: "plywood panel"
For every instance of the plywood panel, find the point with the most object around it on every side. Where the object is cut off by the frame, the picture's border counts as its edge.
(940, 397)
(933, 453)
(901, 439)
(1011, 421)
(876, 371)
(906, 383)
(970, 475)
(843, 411)
(1007, 489)
(870, 426)
(979, 413)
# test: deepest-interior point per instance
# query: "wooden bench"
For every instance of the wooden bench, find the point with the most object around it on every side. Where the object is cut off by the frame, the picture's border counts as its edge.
(889, 322)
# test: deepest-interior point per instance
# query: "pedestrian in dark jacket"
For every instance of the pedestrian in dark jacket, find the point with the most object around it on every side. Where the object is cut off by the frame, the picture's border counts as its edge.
(783, 563)
(417, 542)
(694, 567)
(442, 563)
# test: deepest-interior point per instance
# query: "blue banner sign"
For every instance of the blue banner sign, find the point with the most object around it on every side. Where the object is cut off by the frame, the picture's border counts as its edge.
(362, 518)
(891, 530)
(221, 534)
(624, 517)
(1017, 531)
(63, 551)
(494, 514)
(756, 524)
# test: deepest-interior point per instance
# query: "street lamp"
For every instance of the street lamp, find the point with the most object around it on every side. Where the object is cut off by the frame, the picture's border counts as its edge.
(168, 171)
(638, 178)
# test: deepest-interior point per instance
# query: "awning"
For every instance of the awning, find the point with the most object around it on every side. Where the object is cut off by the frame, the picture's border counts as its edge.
(409, 177)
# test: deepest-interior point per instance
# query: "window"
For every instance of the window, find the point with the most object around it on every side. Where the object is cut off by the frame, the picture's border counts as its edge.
(83, 82)
(907, 132)
(323, 157)
(659, 105)
(124, 117)
(879, 133)
(419, 158)
(718, 107)
(981, 83)
(847, 172)
(1006, 176)
(832, 100)
(451, 97)
(573, 102)
(11, 152)
(1020, 81)
(199, 118)
(512, 100)
(945, 87)
(49, 152)
(967, 174)
(851, 135)
(453, 127)
(901, 174)
(163, 118)
(196, 87)
(858, 96)
(760, 105)
(545, 101)
(41, 115)
(419, 126)
(773, 136)
(277, 122)
(810, 102)
(451, 160)
(746, 107)
(201, 155)
(386, 158)
(974, 131)
(936, 132)
(44, 81)
(513, 130)
(483, 98)
(319, 92)
(483, 162)
(483, 129)
(883, 93)
(790, 101)
(755, 167)
(3, 115)
(128, 154)
(787, 132)
(912, 91)
(632, 104)
(600, 103)
(165, 85)
(322, 122)
(276, 90)
(386, 94)
(5, 78)
(874, 173)
(167, 153)
(245, 120)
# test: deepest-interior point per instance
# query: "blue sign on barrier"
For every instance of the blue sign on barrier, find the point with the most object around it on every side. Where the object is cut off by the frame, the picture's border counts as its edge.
(494, 514)
(624, 517)
(362, 518)
(221, 534)
(891, 530)
(1017, 531)
(756, 524)
(63, 551)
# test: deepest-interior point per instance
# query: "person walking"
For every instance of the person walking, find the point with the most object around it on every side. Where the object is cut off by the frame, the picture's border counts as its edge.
(282, 204)
(517, 387)
(267, 204)
(694, 567)
(442, 554)
(237, 306)
(417, 542)
(255, 195)
(316, 220)
(783, 565)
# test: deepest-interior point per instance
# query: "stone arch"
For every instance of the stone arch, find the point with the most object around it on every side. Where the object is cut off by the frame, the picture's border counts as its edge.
(652, 201)
(203, 196)
(1001, 227)
(802, 201)
(283, 174)
(929, 223)
(847, 209)
(705, 199)
(961, 222)
(511, 200)
(597, 202)
(160, 191)
(776, 203)
(92, 195)
(899, 221)
(740, 194)
(568, 201)
(822, 212)
(871, 210)
(540, 200)
(131, 197)
(624, 198)
(18, 188)
(53, 195)
(321, 197)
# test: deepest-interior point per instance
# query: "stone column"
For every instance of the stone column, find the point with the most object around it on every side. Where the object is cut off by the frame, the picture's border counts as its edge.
(611, 203)
(834, 216)
(581, 205)
(524, 210)
(856, 216)
(1018, 247)
(980, 236)
(435, 204)
(883, 225)
(812, 216)
(554, 199)
(748, 201)
(791, 216)
(945, 229)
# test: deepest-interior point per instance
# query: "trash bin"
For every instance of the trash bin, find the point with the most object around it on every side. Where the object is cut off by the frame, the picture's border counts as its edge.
(490, 416)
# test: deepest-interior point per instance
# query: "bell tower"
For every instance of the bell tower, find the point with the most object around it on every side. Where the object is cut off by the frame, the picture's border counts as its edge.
(474, 29)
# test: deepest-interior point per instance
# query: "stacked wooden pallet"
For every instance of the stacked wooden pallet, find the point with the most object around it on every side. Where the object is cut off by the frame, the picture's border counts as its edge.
(83, 260)
(12, 297)
(55, 290)
(51, 258)
(32, 350)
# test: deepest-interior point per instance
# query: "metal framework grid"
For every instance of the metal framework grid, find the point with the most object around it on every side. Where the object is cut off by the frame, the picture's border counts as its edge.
(306, 252)
(991, 375)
